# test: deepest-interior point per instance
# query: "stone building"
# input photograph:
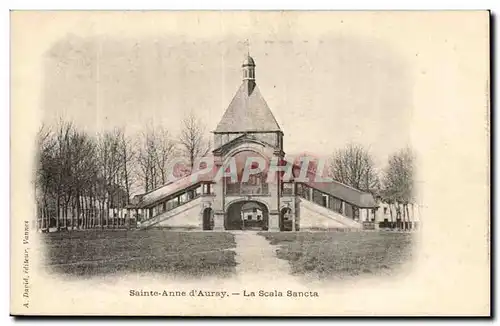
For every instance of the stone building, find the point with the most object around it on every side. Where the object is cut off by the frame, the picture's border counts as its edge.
(248, 129)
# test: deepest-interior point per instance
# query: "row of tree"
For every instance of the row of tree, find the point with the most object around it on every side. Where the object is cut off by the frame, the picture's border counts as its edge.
(85, 181)
(354, 166)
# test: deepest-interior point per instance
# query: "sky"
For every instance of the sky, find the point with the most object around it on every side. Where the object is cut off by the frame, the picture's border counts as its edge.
(326, 85)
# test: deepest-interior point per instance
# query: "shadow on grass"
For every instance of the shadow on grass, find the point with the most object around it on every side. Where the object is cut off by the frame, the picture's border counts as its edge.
(93, 253)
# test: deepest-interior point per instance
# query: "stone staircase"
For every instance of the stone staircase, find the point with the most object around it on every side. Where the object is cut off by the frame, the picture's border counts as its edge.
(184, 211)
(314, 216)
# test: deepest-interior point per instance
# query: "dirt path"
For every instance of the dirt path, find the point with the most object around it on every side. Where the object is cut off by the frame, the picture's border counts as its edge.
(256, 258)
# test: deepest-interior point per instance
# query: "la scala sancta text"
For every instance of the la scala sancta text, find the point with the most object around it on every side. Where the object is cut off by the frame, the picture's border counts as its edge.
(276, 293)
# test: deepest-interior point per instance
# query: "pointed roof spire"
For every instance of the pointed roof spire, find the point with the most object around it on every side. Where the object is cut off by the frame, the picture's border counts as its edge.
(248, 111)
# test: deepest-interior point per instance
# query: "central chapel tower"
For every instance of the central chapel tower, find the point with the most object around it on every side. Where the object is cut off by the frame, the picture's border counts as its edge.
(248, 114)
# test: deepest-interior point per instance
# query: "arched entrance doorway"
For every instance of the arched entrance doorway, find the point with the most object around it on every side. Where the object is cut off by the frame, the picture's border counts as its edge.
(286, 219)
(247, 215)
(208, 221)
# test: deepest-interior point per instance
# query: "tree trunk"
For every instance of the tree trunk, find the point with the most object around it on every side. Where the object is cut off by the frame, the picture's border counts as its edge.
(42, 216)
(107, 213)
(73, 216)
(78, 211)
(44, 208)
(83, 205)
(92, 213)
(405, 217)
(408, 215)
(64, 214)
(89, 212)
(398, 216)
(45, 215)
(85, 221)
(58, 212)
(101, 216)
(90, 207)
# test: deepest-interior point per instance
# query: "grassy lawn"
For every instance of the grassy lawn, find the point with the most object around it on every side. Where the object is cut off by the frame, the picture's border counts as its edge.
(340, 254)
(90, 253)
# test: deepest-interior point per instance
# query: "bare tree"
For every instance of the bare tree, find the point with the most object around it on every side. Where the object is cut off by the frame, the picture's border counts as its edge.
(62, 166)
(398, 182)
(164, 152)
(192, 139)
(110, 165)
(147, 172)
(45, 175)
(354, 167)
(128, 156)
(83, 171)
(157, 149)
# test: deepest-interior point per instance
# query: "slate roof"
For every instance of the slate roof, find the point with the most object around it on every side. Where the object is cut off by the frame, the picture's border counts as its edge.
(169, 189)
(346, 193)
(339, 190)
(247, 112)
